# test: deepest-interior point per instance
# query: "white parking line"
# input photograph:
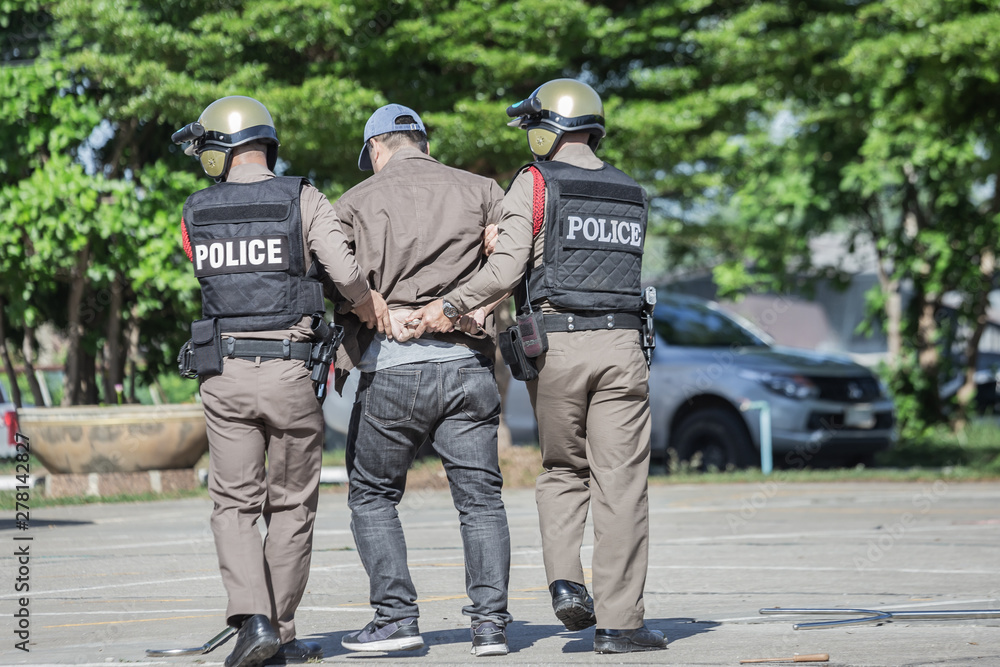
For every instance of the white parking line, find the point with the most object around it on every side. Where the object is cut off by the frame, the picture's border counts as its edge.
(866, 532)
(813, 568)
(107, 612)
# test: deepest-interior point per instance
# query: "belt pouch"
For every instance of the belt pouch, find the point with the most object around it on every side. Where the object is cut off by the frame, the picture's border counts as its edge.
(512, 351)
(206, 344)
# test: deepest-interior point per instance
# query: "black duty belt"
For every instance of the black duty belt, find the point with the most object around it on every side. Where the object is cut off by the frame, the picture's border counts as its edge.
(575, 322)
(251, 348)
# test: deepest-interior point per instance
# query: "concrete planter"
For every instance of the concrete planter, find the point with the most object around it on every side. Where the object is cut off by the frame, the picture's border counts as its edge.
(127, 438)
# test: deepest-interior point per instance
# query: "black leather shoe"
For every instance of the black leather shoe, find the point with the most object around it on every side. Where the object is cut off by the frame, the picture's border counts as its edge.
(628, 641)
(255, 642)
(295, 651)
(572, 604)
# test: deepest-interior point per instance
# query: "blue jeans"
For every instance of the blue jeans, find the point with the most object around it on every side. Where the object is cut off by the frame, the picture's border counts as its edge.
(456, 405)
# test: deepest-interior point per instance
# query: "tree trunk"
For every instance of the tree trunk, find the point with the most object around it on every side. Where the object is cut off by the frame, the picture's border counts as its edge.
(894, 320)
(88, 379)
(929, 358)
(28, 350)
(78, 278)
(15, 391)
(967, 394)
(133, 354)
(889, 285)
(928, 355)
(113, 344)
(893, 313)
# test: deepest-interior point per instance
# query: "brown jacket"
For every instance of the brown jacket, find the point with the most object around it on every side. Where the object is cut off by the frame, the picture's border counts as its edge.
(417, 231)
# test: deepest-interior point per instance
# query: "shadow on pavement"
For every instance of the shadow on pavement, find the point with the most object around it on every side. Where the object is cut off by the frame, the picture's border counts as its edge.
(10, 524)
(680, 628)
(330, 641)
(521, 635)
(674, 629)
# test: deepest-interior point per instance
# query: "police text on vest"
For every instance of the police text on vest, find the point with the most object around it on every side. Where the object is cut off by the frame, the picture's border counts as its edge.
(601, 230)
(240, 255)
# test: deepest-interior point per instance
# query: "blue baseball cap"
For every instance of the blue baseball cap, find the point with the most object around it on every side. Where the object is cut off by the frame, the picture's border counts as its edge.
(383, 121)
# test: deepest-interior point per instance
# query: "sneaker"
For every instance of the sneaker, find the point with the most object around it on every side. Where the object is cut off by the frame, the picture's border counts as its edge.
(572, 604)
(488, 638)
(628, 641)
(403, 635)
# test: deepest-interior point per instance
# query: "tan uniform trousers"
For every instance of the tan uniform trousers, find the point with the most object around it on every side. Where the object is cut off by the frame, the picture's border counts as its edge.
(257, 410)
(591, 400)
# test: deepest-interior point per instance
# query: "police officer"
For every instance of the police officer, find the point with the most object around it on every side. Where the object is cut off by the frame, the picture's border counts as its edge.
(257, 243)
(572, 238)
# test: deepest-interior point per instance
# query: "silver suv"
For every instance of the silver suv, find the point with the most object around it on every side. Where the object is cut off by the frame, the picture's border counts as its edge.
(708, 364)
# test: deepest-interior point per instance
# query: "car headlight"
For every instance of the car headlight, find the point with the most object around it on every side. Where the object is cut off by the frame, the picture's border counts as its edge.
(792, 386)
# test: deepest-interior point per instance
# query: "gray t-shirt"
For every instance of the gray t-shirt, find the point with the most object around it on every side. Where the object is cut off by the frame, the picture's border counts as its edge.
(384, 353)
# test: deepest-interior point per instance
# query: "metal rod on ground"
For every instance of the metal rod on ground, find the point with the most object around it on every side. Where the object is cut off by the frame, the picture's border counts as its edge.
(766, 455)
(809, 657)
(879, 616)
(204, 648)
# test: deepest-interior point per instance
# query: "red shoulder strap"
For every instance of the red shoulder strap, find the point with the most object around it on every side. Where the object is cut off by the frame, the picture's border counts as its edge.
(186, 241)
(537, 201)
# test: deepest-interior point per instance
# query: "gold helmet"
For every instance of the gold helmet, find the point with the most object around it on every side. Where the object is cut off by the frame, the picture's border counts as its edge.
(224, 124)
(556, 108)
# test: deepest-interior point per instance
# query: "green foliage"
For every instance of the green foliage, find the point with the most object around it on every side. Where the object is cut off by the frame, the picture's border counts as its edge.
(975, 446)
(872, 119)
(177, 389)
(757, 126)
(97, 86)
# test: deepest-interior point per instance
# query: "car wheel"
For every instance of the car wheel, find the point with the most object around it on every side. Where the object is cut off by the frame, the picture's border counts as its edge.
(714, 438)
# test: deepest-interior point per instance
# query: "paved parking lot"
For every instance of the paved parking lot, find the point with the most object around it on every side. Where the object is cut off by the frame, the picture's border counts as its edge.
(109, 581)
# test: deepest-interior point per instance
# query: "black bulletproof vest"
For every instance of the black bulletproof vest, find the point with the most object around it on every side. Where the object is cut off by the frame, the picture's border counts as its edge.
(246, 245)
(594, 235)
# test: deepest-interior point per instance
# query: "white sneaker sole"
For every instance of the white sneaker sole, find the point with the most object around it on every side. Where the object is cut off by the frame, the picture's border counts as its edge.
(401, 644)
(493, 649)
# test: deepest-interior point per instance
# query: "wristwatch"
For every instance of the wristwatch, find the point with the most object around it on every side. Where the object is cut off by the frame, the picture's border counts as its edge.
(450, 311)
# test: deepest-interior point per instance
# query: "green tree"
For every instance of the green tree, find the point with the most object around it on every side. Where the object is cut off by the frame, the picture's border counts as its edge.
(876, 118)
(83, 236)
(94, 188)
(757, 126)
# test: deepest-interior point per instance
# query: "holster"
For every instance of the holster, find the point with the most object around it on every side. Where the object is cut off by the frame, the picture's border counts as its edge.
(648, 324)
(185, 362)
(206, 348)
(648, 338)
(324, 350)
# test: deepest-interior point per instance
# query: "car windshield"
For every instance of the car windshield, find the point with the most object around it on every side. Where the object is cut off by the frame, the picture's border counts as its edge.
(692, 324)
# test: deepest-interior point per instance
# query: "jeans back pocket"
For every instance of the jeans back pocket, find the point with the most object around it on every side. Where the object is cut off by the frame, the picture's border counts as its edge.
(391, 396)
(482, 399)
